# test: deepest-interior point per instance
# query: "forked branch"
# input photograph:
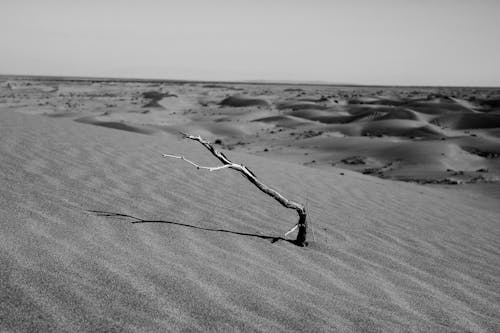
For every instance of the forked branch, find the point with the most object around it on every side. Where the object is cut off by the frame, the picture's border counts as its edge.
(226, 163)
(196, 165)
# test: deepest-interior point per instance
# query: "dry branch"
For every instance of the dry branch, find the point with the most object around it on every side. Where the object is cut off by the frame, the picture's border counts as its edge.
(226, 163)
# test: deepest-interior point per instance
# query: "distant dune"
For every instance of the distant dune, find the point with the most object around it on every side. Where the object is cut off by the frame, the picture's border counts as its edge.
(282, 120)
(300, 105)
(239, 101)
(469, 121)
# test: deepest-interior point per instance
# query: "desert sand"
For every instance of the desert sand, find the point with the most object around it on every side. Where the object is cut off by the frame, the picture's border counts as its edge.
(100, 233)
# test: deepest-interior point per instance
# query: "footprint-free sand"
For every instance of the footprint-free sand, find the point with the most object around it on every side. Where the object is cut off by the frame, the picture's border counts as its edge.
(100, 233)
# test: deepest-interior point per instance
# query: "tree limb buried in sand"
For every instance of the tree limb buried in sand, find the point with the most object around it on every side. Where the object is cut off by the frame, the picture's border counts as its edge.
(227, 164)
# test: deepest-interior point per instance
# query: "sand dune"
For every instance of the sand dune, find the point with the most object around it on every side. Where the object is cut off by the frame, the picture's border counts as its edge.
(99, 233)
(240, 101)
(271, 118)
(437, 106)
(401, 128)
(283, 121)
(491, 104)
(322, 116)
(300, 105)
(386, 256)
(469, 121)
(347, 114)
(401, 114)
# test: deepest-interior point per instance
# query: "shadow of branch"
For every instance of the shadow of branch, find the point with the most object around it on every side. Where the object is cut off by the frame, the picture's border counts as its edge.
(136, 220)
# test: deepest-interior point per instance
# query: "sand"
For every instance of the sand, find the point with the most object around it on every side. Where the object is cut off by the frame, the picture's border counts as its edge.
(100, 233)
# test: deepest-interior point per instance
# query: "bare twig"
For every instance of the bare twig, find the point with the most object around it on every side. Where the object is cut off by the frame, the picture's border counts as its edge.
(299, 208)
(291, 230)
(196, 165)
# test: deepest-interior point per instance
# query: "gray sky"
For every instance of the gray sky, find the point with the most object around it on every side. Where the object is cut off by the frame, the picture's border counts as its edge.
(422, 42)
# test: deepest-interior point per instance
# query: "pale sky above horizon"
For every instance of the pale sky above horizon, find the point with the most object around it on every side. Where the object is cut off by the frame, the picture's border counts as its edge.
(424, 42)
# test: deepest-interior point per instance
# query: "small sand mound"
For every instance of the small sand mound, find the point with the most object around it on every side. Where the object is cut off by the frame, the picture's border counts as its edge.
(350, 114)
(466, 104)
(300, 105)
(485, 147)
(363, 100)
(400, 128)
(377, 100)
(491, 103)
(429, 154)
(324, 117)
(293, 90)
(468, 121)
(438, 106)
(400, 114)
(283, 121)
(239, 101)
(154, 97)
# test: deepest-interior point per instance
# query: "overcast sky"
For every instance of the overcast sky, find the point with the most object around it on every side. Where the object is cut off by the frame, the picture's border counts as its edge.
(420, 42)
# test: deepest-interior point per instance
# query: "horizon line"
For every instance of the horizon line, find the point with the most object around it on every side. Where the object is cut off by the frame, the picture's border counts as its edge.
(55, 77)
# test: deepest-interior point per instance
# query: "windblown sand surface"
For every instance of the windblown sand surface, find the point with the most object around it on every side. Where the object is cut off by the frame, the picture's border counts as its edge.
(99, 233)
